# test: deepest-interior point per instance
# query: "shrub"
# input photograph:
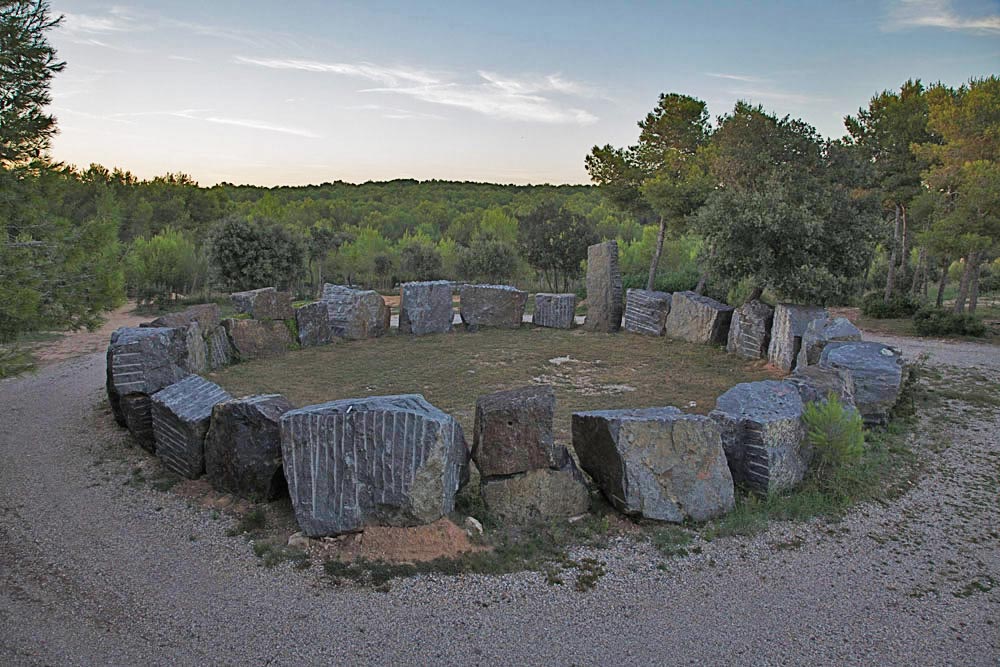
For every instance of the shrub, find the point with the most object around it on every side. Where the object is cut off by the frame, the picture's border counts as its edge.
(941, 322)
(836, 436)
(671, 281)
(900, 305)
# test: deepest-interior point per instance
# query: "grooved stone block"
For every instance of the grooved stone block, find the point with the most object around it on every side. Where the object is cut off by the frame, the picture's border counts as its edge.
(821, 332)
(750, 330)
(266, 303)
(513, 431)
(243, 447)
(181, 416)
(258, 339)
(763, 435)
(491, 306)
(790, 323)
(425, 308)
(646, 311)
(384, 460)
(556, 311)
(356, 314)
(220, 352)
(657, 463)
(876, 371)
(197, 348)
(313, 323)
(698, 319)
(604, 288)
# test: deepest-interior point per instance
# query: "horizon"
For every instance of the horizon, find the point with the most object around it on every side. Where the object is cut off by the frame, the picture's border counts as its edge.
(518, 95)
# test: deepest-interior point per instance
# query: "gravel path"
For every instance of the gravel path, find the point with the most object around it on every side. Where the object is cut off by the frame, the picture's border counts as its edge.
(96, 572)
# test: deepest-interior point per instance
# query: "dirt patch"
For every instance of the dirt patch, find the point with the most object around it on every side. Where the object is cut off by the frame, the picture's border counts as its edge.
(80, 343)
(418, 544)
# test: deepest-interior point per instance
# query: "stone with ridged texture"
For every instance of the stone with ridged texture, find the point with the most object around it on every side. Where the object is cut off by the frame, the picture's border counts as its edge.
(750, 330)
(181, 416)
(790, 324)
(555, 311)
(646, 311)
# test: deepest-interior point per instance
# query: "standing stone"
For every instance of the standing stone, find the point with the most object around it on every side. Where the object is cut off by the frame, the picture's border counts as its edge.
(790, 324)
(425, 308)
(266, 303)
(205, 314)
(513, 431)
(181, 416)
(313, 323)
(816, 383)
(656, 463)
(646, 311)
(535, 495)
(491, 306)
(383, 460)
(698, 319)
(763, 435)
(258, 339)
(197, 348)
(876, 371)
(220, 352)
(604, 288)
(243, 447)
(356, 314)
(750, 330)
(821, 332)
(557, 311)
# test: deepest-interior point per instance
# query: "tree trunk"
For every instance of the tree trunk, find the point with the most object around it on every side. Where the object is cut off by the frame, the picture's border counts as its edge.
(974, 284)
(918, 274)
(890, 279)
(904, 253)
(700, 287)
(939, 302)
(651, 282)
(963, 286)
(755, 294)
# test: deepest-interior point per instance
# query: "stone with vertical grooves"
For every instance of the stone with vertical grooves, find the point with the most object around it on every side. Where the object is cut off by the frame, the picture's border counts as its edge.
(646, 311)
(876, 371)
(197, 348)
(181, 416)
(790, 324)
(821, 332)
(382, 460)
(425, 308)
(220, 352)
(750, 330)
(556, 311)
(763, 434)
(356, 314)
(500, 306)
(698, 319)
(604, 288)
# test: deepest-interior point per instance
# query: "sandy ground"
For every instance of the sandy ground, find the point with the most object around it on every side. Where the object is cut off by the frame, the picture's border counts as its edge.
(79, 343)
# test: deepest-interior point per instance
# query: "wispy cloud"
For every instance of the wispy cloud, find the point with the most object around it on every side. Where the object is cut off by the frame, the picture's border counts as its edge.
(939, 14)
(112, 22)
(201, 114)
(735, 77)
(390, 76)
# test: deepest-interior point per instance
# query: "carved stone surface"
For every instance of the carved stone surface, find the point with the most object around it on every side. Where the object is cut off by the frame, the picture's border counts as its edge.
(491, 306)
(181, 416)
(313, 323)
(750, 330)
(698, 319)
(138, 419)
(604, 288)
(646, 311)
(513, 431)
(821, 332)
(657, 463)
(425, 308)
(384, 460)
(258, 339)
(556, 311)
(763, 435)
(790, 323)
(197, 348)
(243, 447)
(220, 352)
(266, 303)
(535, 495)
(877, 373)
(205, 314)
(356, 314)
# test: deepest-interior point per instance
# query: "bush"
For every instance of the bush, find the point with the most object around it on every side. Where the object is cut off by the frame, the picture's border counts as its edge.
(672, 281)
(900, 305)
(836, 435)
(941, 322)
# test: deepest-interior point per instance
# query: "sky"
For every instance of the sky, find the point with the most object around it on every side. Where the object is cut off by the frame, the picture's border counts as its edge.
(292, 93)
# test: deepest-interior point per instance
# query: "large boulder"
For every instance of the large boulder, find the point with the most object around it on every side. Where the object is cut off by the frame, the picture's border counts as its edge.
(220, 352)
(876, 371)
(536, 495)
(266, 303)
(425, 308)
(816, 383)
(656, 463)
(356, 314)
(821, 332)
(646, 311)
(763, 434)
(313, 323)
(698, 319)
(383, 460)
(499, 306)
(604, 288)
(243, 447)
(205, 314)
(750, 330)
(181, 416)
(140, 362)
(258, 339)
(513, 431)
(790, 324)
(556, 311)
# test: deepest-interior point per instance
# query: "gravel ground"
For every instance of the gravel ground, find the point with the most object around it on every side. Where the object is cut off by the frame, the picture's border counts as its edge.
(93, 571)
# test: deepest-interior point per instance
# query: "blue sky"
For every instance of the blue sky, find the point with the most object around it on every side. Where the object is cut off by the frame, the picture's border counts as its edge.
(305, 92)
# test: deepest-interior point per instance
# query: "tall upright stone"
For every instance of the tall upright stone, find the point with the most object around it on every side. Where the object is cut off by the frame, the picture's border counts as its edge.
(383, 460)
(750, 330)
(181, 414)
(556, 311)
(197, 348)
(790, 324)
(494, 306)
(876, 371)
(356, 314)
(425, 308)
(819, 333)
(604, 288)
(646, 311)
(698, 319)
